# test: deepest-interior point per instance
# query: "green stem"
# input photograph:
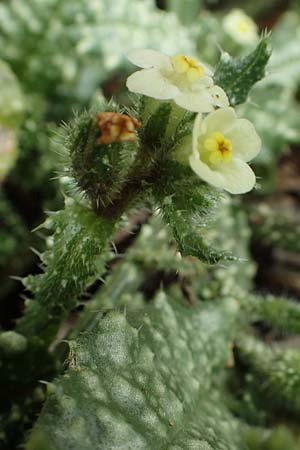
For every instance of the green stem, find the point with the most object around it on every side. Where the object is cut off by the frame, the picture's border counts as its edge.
(140, 175)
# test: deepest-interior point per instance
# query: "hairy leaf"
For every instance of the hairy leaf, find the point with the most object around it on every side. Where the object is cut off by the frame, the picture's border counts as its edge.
(237, 76)
(79, 239)
(276, 225)
(157, 124)
(77, 48)
(275, 374)
(187, 206)
(141, 382)
(100, 170)
(279, 313)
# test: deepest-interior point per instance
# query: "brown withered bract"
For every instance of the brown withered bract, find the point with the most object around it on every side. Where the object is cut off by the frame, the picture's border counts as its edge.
(116, 127)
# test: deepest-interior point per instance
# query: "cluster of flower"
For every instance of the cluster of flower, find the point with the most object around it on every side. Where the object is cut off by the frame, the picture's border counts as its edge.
(221, 144)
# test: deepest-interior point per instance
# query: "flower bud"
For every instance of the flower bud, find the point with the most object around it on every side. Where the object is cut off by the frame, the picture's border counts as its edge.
(102, 148)
(116, 127)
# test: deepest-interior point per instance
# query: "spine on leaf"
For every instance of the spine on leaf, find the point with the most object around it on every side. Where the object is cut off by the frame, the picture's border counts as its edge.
(79, 239)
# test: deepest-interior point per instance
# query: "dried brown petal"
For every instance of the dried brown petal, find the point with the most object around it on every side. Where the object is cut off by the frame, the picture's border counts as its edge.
(116, 127)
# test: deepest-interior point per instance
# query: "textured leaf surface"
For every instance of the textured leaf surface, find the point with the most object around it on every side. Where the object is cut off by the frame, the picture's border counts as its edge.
(276, 225)
(237, 76)
(279, 313)
(79, 239)
(141, 383)
(280, 371)
(153, 261)
(77, 48)
(187, 206)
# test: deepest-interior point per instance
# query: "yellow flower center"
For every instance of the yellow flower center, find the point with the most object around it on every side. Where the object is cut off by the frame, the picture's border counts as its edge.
(244, 26)
(189, 67)
(217, 148)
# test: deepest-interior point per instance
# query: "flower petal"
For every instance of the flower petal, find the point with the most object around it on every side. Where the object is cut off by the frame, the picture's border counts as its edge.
(219, 96)
(151, 82)
(246, 143)
(147, 58)
(203, 171)
(221, 120)
(207, 69)
(239, 178)
(203, 82)
(200, 101)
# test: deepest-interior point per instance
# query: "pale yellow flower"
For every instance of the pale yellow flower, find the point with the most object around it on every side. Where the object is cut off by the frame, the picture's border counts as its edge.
(180, 78)
(240, 27)
(222, 146)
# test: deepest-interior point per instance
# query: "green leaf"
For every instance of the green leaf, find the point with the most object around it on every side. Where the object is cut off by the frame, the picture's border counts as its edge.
(279, 313)
(237, 76)
(280, 371)
(187, 206)
(79, 55)
(276, 225)
(157, 124)
(153, 261)
(279, 438)
(144, 382)
(80, 239)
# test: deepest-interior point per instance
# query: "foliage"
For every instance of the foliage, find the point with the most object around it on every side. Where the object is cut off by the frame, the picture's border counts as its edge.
(237, 77)
(70, 264)
(184, 203)
(274, 224)
(86, 31)
(162, 371)
(141, 320)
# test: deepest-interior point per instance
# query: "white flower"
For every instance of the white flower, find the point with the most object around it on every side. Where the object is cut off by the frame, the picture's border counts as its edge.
(180, 78)
(240, 27)
(222, 146)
